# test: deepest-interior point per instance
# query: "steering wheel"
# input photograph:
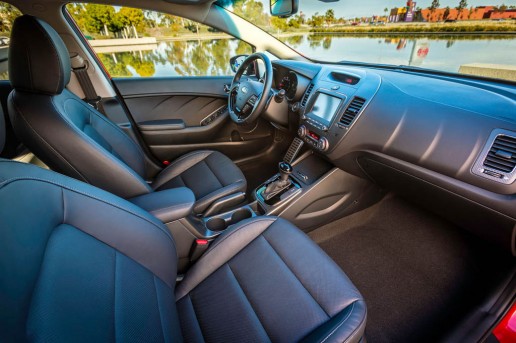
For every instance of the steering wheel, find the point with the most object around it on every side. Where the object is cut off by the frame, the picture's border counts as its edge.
(248, 98)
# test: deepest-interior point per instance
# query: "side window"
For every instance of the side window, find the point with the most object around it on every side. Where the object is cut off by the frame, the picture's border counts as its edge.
(132, 42)
(7, 15)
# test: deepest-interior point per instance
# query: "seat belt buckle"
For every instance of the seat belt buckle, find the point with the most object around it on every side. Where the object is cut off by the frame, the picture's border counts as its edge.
(94, 102)
(199, 246)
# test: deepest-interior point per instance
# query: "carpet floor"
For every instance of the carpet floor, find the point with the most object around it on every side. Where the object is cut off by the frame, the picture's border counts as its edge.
(418, 273)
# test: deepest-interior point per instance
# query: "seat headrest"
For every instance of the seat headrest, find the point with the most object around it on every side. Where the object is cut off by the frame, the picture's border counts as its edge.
(38, 59)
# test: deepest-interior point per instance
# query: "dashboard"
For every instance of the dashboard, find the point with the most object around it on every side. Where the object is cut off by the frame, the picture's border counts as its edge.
(453, 137)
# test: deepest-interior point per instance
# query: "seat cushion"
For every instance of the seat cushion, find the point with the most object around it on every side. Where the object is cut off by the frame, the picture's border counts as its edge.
(264, 280)
(209, 174)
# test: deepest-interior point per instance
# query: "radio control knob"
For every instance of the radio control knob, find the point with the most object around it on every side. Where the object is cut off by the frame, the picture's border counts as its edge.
(301, 131)
(323, 144)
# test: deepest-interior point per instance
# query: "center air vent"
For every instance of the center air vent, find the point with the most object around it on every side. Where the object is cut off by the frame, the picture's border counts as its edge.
(307, 95)
(498, 159)
(351, 112)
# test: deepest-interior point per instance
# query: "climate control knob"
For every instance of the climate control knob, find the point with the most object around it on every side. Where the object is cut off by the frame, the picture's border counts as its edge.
(301, 131)
(323, 144)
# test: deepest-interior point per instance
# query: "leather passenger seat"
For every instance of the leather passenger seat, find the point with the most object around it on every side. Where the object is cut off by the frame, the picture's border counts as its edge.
(78, 264)
(74, 139)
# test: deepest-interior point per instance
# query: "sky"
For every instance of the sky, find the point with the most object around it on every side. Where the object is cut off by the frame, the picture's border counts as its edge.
(365, 8)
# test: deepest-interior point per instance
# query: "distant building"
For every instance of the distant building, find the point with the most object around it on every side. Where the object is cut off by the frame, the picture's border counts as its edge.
(405, 14)
(477, 13)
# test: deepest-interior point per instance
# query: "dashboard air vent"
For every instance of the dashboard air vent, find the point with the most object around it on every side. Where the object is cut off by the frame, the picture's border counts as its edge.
(502, 155)
(307, 95)
(351, 111)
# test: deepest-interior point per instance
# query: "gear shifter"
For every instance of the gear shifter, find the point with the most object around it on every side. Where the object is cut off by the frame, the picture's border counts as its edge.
(275, 187)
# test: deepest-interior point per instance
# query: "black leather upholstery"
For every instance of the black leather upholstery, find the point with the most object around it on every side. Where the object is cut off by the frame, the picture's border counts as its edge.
(2, 131)
(206, 173)
(167, 205)
(78, 264)
(273, 281)
(38, 59)
(73, 138)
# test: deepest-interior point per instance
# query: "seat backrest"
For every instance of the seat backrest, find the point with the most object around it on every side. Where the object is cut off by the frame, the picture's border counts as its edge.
(80, 264)
(68, 135)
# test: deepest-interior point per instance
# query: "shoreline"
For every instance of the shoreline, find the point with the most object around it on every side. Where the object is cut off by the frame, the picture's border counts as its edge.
(131, 42)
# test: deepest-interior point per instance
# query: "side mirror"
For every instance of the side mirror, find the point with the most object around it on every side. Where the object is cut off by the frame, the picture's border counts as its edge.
(284, 8)
(236, 61)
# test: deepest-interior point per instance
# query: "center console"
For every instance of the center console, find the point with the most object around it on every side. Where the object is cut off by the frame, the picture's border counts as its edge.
(316, 128)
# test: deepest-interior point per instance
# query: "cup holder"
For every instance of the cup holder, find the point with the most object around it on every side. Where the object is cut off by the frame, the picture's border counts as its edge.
(216, 224)
(223, 221)
(240, 214)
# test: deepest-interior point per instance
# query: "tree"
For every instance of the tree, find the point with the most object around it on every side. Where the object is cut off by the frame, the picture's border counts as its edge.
(329, 17)
(462, 5)
(131, 17)
(294, 22)
(280, 24)
(7, 15)
(98, 17)
(446, 12)
(252, 10)
(433, 6)
(316, 20)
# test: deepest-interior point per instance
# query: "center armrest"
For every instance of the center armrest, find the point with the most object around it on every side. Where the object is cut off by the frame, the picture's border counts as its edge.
(167, 205)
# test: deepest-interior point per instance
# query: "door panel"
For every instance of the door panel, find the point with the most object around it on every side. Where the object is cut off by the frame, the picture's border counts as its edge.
(191, 109)
(178, 115)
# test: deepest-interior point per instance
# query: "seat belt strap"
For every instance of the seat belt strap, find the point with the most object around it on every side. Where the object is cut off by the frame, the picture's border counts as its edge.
(80, 69)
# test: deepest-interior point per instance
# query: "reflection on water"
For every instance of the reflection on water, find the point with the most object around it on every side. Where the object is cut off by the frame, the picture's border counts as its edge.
(211, 57)
(441, 52)
(174, 58)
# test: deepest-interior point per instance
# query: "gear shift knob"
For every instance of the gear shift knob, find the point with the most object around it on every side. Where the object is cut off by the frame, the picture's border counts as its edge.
(285, 170)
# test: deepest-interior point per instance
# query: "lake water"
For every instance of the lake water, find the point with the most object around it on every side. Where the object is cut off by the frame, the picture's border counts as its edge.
(211, 57)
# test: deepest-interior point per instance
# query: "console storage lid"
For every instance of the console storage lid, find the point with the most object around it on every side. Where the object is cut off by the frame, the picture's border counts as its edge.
(167, 205)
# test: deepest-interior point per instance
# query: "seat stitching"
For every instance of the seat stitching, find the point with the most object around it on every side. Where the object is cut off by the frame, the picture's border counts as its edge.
(357, 328)
(98, 116)
(114, 295)
(212, 171)
(44, 141)
(156, 184)
(222, 239)
(159, 308)
(340, 324)
(218, 242)
(63, 204)
(12, 180)
(99, 147)
(195, 315)
(248, 301)
(295, 276)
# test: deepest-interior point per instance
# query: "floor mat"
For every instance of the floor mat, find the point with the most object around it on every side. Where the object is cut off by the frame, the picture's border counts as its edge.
(418, 273)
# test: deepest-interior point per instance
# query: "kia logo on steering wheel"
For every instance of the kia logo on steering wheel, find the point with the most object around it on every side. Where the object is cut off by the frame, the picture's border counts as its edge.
(244, 90)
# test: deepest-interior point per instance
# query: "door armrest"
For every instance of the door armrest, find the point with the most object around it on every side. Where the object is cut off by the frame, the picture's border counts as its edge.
(162, 125)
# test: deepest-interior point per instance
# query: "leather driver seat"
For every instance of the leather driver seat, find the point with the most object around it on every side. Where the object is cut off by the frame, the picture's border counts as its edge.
(78, 264)
(73, 138)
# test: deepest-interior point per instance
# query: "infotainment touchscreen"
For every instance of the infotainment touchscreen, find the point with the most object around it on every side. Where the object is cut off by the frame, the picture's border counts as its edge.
(325, 107)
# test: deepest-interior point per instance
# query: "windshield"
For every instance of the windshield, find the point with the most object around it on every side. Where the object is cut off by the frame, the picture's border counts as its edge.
(456, 36)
